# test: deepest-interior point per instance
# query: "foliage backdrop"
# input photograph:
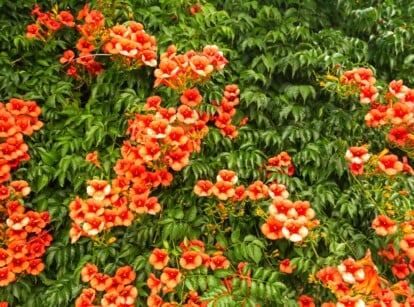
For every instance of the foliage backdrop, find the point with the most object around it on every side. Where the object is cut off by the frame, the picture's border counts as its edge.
(278, 53)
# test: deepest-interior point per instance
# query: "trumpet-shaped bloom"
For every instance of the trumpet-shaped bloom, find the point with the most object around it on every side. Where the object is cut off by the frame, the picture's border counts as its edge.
(159, 258)
(390, 165)
(272, 229)
(190, 260)
(384, 226)
(170, 277)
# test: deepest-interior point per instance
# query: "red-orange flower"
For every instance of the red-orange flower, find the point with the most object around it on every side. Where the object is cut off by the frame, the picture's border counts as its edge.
(203, 188)
(390, 165)
(384, 226)
(286, 267)
(84, 46)
(400, 270)
(4, 192)
(407, 245)
(6, 276)
(348, 301)
(227, 175)
(368, 94)
(72, 72)
(159, 258)
(196, 245)
(195, 8)
(94, 18)
(239, 193)
(170, 277)
(100, 281)
(257, 190)
(400, 113)
(32, 31)
(5, 257)
(127, 296)
(93, 158)
(306, 301)
(376, 117)
(125, 275)
(88, 272)
(357, 155)
(398, 135)
(187, 115)
(177, 136)
(98, 189)
(272, 229)
(351, 271)
(153, 103)
(190, 260)
(86, 298)
(356, 168)
(294, 230)
(36, 266)
(154, 283)
(20, 188)
(281, 209)
(20, 107)
(223, 190)
(329, 275)
(18, 265)
(66, 18)
(219, 261)
(277, 190)
(154, 300)
(110, 299)
(402, 288)
(177, 159)
(191, 97)
(17, 221)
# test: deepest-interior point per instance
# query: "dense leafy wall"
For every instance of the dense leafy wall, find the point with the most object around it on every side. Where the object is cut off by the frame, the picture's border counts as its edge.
(279, 52)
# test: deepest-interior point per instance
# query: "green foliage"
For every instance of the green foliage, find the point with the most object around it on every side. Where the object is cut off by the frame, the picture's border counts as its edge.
(277, 50)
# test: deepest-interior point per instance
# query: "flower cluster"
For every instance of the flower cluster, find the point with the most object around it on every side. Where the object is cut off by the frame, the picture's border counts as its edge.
(397, 114)
(47, 23)
(160, 141)
(226, 110)
(104, 209)
(225, 188)
(384, 163)
(182, 71)
(129, 44)
(401, 259)
(22, 233)
(191, 255)
(91, 31)
(132, 44)
(109, 291)
(357, 283)
(362, 80)
(281, 163)
(24, 237)
(17, 118)
(289, 220)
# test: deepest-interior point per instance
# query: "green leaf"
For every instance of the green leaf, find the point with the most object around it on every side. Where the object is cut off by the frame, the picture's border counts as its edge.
(222, 273)
(235, 236)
